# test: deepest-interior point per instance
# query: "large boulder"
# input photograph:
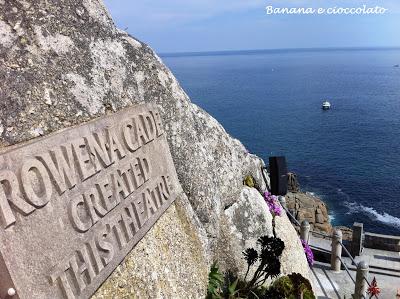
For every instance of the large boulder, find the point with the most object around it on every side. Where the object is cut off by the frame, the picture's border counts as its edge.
(241, 225)
(64, 63)
(247, 220)
(306, 206)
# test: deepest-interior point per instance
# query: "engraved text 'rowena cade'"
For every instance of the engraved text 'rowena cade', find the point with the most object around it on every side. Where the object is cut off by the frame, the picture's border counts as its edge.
(73, 204)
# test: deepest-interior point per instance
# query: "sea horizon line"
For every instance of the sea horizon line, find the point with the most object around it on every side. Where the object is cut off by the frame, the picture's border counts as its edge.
(274, 50)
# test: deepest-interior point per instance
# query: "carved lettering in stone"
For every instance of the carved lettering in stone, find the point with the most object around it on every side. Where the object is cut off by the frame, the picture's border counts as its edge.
(73, 204)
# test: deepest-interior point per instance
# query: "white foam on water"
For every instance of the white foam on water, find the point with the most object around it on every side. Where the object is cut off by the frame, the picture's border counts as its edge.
(373, 214)
(331, 217)
(384, 218)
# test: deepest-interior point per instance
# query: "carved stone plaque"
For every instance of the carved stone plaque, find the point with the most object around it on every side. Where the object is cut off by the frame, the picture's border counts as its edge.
(73, 204)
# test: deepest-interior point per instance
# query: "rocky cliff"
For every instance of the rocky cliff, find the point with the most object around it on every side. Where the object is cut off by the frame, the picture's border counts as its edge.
(64, 63)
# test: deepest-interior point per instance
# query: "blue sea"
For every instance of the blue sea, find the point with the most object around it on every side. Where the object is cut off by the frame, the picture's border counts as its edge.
(271, 101)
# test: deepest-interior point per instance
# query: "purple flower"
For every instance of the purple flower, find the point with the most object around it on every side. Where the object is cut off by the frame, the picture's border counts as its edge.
(308, 252)
(272, 202)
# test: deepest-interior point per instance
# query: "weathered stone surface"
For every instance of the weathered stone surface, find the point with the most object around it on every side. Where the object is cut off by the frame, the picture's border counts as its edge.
(319, 216)
(293, 257)
(293, 183)
(100, 70)
(242, 224)
(83, 196)
(64, 63)
(346, 231)
(310, 208)
(247, 220)
(167, 263)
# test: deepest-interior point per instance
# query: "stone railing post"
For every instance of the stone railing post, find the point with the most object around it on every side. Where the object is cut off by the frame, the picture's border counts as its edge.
(336, 253)
(356, 242)
(361, 285)
(305, 230)
(282, 201)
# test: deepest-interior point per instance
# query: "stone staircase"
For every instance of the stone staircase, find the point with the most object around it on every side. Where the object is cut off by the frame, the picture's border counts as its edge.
(384, 265)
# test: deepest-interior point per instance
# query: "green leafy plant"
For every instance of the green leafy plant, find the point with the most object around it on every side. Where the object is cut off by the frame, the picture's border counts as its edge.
(293, 286)
(283, 286)
(265, 263)
(231, 283)
(221, 286)
(269, 264)
(215, 282)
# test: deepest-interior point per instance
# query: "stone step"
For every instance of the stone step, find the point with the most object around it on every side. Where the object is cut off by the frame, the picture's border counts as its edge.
(374, 269)
(382, 259)
(384, 266)
(386, 272)
(335, 285)
(329, 284)
(378, 259)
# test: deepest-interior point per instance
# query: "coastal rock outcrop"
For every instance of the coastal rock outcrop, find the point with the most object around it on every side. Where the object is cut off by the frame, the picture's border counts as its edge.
(293, 183)
(64, 63)
(305, 206)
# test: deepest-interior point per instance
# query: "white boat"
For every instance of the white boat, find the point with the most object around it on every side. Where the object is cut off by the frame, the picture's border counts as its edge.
(326, 105)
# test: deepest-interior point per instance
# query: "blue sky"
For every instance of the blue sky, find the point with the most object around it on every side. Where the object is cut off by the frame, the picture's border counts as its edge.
(216, 25)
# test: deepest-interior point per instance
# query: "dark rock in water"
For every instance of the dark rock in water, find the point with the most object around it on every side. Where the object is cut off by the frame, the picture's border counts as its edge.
(293, 184)
(396, 65)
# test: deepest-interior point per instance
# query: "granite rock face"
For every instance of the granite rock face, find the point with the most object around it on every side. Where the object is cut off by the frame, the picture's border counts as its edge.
(247, 220)
(309, 207)
(292, 258)
(152, 270)
(242, 224)
(64, 63)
